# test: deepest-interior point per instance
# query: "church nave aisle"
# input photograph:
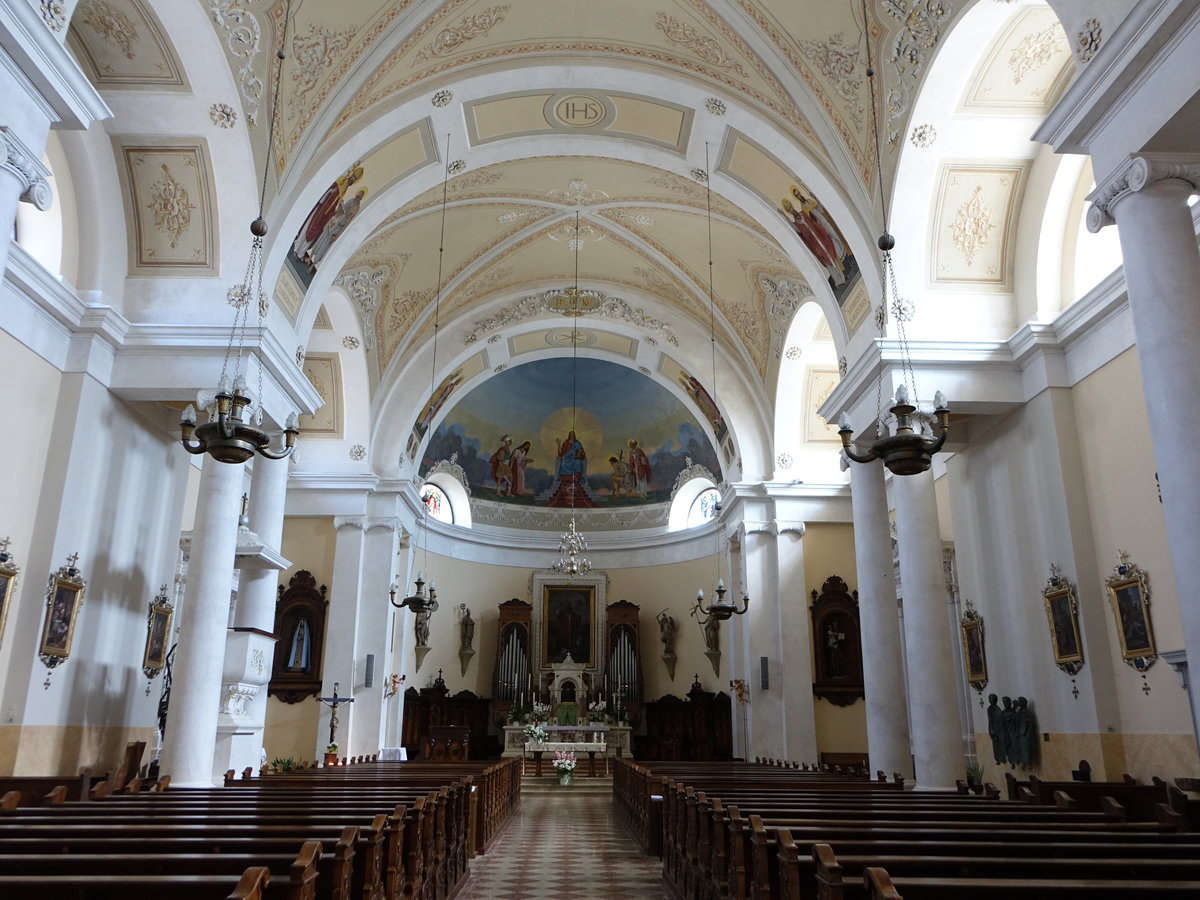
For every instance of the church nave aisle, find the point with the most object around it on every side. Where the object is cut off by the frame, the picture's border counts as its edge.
(565, 843)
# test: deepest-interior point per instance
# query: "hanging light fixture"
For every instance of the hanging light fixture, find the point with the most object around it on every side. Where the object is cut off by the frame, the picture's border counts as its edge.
(571, 545)
(909, 448)
(420, 601)
(233, 436)
(719, 609)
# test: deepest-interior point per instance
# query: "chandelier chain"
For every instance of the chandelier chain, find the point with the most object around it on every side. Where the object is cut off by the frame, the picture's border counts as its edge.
(712, 327)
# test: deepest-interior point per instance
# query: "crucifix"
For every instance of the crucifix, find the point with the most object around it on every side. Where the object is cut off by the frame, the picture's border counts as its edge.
(333, 703)
(71, 560)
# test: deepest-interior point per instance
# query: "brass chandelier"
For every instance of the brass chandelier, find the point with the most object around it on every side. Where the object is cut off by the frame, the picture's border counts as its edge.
(719, 609)
(233, 436)
(908, 449)
(419, 601)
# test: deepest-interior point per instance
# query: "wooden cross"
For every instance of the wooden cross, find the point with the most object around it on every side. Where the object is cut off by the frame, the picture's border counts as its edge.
(333, 703)
(245, 503)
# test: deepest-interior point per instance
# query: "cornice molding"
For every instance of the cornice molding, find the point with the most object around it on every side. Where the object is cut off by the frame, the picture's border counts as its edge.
(46, 69)
(1139, 171)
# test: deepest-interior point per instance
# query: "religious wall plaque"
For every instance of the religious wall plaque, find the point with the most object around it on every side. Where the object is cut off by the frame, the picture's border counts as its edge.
(64, 597)
(9, 571)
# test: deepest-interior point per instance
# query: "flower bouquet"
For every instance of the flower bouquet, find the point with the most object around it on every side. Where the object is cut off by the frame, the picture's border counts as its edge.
(597, 711)
(564, 765)
(535, 734)
(541, 710)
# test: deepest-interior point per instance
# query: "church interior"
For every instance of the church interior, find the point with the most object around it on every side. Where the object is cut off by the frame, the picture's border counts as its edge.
(758, 379)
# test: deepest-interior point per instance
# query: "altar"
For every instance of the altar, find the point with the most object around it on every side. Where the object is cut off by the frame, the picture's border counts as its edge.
(589, 739)
(614, 739)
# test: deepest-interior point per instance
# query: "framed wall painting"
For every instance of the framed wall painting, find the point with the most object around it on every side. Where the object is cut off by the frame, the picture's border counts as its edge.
(9, 571)
(1062, 616)
(974, 650)
(1129, 596)
(568, 617)
(837, 643)
(158, 633)
(64, 597)
(568, 623)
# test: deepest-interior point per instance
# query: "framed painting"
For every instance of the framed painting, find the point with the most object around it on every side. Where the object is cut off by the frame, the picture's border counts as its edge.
(1062, 616)
(158, 633)
(64, 597)
(974, 651)
(9, 571)
(1129, 596)
(568, 623)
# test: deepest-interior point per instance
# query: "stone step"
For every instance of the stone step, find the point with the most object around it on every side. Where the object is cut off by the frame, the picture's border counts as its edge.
(580, 784)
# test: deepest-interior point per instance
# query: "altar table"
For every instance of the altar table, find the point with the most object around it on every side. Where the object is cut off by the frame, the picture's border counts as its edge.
(591, 748)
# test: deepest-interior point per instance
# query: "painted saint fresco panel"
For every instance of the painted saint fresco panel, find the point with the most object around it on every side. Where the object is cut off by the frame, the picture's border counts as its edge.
(519, 439)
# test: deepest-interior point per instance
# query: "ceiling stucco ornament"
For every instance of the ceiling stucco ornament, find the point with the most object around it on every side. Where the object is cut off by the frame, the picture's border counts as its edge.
(312, 55)
(510, 516)
(54, 15)
(843, 366)
(784, 296)
(714, 106)
(972, 225)
(923, 136)
(171, 205)
(707, 48)
(577, 193)
(243, 39)
(784, 461)
(593, 303)
(1089, 39)
(1036, 50)
(456, 166)
(363, 287)
(467, 29)
(699, 175)
(690, 472)
(839, 62)
(793, 353)
(450, 467)
(575, 236)
(111, 24)
(441, 98)
(358, 453)
(920, 30)
(222, 115)
(350, 342)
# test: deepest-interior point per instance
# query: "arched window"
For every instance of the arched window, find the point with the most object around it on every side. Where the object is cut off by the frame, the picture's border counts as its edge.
(703, 508)
(437, 504)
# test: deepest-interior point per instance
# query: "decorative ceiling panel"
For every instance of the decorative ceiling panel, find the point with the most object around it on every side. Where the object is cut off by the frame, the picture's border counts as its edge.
(1024, 69)
(168, 195)
(120, 44)
(324, 372)
(975, 223)
(818, 385)
(579, 112)
(563, 337)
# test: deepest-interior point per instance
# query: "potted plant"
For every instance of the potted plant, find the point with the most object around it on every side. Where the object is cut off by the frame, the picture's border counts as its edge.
(331, 756)
(975, 777)
(564, 765)
(284, 764)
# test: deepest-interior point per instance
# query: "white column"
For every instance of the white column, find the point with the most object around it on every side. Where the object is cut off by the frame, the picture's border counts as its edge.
(250, 646)
(793, 676)
(188, 748)
(764, 622)
(341, 633)
(1148, 197)
(374, 615)
(883, 660)
(936, 735)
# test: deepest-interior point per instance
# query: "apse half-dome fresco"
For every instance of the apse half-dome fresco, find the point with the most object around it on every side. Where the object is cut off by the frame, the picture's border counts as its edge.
(518, 440)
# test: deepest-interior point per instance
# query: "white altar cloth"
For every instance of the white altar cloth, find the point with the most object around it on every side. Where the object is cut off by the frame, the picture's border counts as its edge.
(576, 746)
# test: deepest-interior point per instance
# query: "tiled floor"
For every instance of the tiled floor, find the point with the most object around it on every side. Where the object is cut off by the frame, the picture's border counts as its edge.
(565, 844)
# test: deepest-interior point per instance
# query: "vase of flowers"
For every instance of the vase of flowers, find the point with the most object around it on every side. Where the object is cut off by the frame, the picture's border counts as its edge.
(564, 765)
(535, 733)
(331, 756)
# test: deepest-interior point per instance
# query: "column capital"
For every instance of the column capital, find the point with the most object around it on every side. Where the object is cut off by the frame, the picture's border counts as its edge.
(1138, 171)
(392, 523)
(340, 522)
(27, 166)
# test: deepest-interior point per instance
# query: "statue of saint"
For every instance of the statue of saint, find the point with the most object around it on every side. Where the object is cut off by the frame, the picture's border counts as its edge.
(666, 632)
(467, 630)
(421, 628)
(712, 634)
(1024, 735)
(995, 729)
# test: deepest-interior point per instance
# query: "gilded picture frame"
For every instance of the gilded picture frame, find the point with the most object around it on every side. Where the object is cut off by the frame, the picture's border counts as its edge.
(9, 572)
(159, 618)
(64, 597)
(974, 649)
(1062, 617)
(1129, 596)
(568, 623)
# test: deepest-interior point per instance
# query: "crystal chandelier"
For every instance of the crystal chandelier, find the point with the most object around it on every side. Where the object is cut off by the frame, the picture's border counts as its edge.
(720, 609)
(908, 449)
(571, 544)
(233, 435)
